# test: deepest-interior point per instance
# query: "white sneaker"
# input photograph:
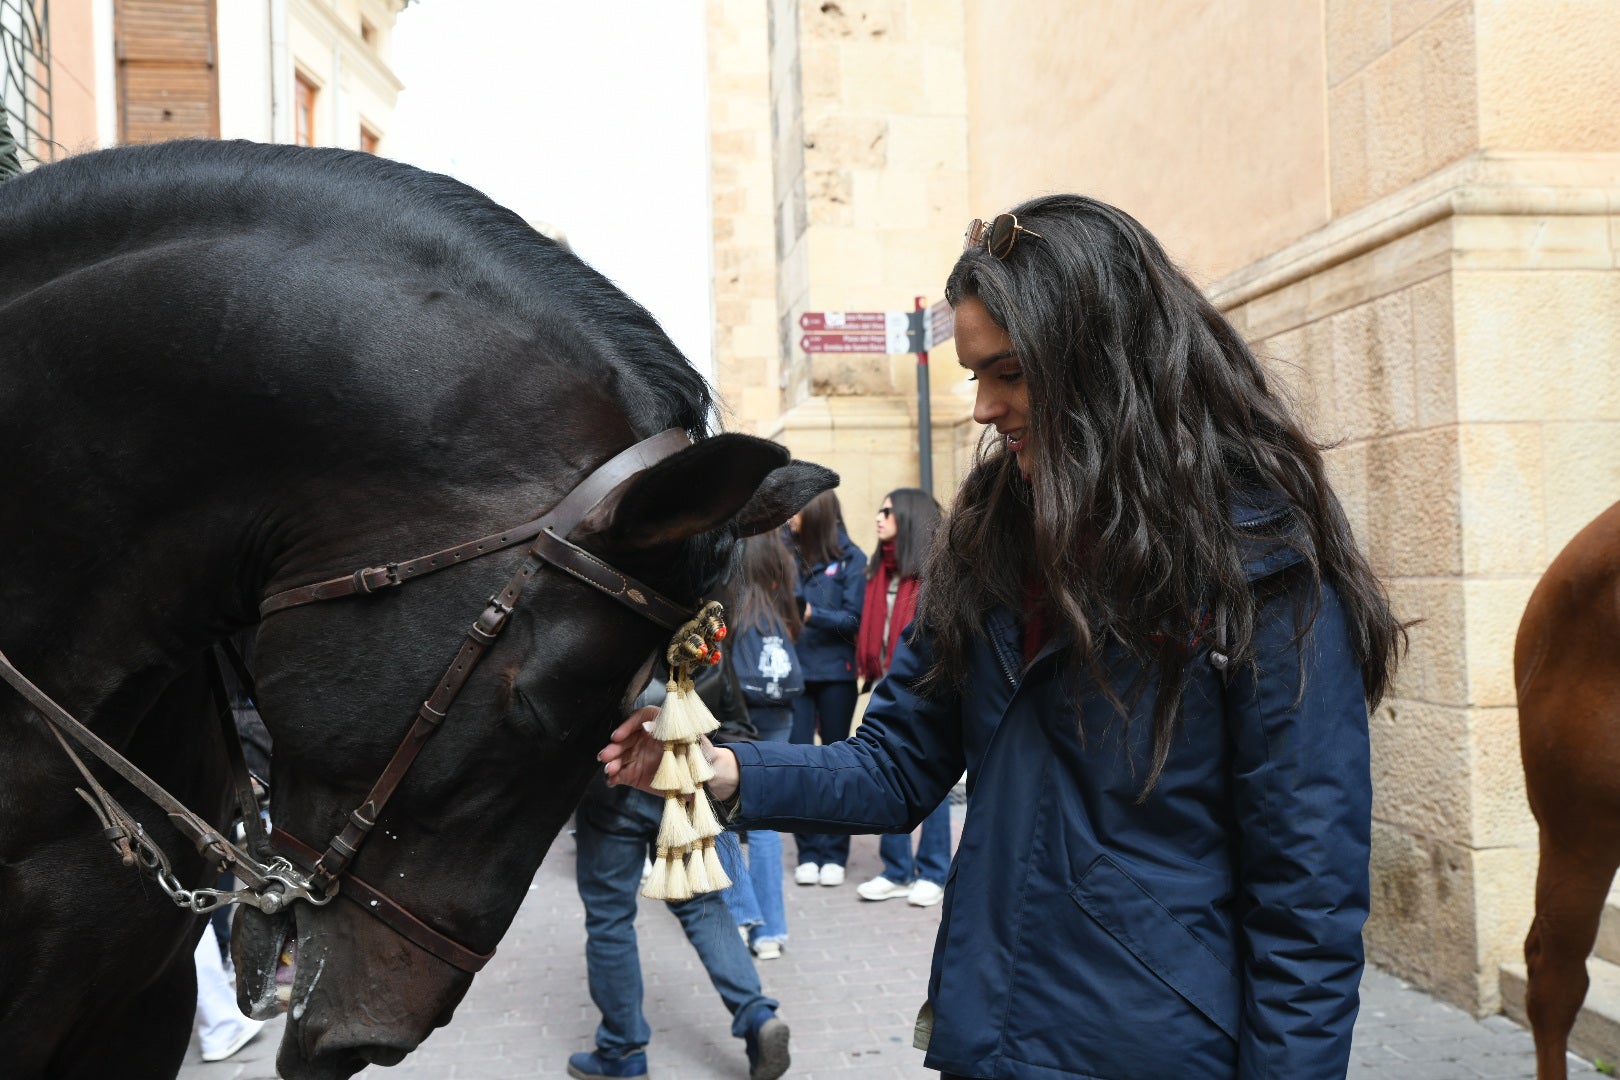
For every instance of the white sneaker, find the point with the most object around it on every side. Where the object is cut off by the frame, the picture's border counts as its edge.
(832, 874)
(924, 894)
(767, 950)
(808, 873)
(881, 888)
(243, 1036)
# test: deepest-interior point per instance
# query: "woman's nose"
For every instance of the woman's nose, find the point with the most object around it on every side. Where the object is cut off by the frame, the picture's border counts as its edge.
(987, 405)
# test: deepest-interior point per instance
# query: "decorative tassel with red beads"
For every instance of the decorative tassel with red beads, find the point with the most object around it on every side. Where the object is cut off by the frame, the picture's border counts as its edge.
(687, 863)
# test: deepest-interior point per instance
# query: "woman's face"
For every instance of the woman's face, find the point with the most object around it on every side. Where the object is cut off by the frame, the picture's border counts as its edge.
(1001, 394)
(885, 522)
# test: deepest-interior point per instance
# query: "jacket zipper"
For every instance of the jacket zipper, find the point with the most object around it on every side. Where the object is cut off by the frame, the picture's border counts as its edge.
(999, 647)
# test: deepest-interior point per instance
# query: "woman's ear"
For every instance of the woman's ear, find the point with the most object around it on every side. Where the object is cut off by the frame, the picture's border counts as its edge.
(728, 480)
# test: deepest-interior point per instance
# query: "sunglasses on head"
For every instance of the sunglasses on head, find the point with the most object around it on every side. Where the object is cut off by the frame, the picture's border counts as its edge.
(997, 235)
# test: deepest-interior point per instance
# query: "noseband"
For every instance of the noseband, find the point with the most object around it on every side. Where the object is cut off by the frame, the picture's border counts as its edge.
(274, 885)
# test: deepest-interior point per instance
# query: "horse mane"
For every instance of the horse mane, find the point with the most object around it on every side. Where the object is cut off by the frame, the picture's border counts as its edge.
(122, 198)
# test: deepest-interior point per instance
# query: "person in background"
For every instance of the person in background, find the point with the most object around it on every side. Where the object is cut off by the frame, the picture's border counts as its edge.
(905, 529)
(764, 621)
(614, 828)
(831, 587)
(1149, 635)
(221, 1028)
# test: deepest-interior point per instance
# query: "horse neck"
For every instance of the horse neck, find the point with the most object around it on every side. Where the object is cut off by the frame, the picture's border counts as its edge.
(136, 532)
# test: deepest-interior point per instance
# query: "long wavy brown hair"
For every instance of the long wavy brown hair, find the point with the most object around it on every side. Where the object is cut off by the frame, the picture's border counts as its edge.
(761, 592)
(1149, 418)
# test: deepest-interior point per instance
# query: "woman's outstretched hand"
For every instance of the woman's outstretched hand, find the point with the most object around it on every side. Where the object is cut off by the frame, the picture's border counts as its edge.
(633, 755)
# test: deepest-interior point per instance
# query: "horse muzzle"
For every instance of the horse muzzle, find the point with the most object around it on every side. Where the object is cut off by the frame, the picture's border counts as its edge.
(256, 943)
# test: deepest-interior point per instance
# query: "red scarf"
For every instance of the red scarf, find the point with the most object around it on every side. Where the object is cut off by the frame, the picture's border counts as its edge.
(871, 659)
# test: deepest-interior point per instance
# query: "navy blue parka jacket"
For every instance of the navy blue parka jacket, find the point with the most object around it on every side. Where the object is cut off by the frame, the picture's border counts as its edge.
(1211, 932)
(835, 592)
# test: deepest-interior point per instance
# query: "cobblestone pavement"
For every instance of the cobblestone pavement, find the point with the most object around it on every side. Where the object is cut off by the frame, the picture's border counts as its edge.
(850, 981)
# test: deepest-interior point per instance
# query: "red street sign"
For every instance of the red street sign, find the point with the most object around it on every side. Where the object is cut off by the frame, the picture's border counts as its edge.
(826, 342)
(844, 320)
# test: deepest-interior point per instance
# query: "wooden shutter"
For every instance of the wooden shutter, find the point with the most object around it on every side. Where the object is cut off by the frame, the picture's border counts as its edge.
(168, 80)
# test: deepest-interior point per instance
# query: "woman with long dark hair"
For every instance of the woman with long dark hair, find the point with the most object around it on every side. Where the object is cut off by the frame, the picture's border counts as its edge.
(831, 588)
(764, 621)
(1148, 634)
(905, 529)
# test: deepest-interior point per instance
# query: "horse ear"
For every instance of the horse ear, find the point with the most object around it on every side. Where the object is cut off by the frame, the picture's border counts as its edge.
(783, 494)
(698, 490)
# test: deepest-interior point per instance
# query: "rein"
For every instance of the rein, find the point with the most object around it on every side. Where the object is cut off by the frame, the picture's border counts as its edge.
(276, 883)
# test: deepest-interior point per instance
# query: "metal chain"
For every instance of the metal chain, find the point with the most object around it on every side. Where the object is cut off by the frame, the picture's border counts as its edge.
(294, 886)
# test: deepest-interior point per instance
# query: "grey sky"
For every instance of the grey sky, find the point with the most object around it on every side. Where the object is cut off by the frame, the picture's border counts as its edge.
(591, 117)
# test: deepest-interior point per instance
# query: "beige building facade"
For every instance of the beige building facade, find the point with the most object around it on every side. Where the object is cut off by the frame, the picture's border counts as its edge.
(113, 71)
(1410, 207)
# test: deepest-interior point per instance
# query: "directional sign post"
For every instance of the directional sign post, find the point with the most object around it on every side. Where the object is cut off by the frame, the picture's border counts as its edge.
(925, 420)
(887, 332)
(856, 332)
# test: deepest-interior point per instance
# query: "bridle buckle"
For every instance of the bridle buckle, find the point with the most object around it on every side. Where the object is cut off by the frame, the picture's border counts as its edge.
(490, 623)
(372, 578)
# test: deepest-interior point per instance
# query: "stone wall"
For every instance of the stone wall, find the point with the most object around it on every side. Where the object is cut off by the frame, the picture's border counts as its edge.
(869, 115)
(1456, 340)
(748, 358)
(1410, 207)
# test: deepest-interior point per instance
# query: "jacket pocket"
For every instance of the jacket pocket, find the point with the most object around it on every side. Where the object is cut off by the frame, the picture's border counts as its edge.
(1148, 930)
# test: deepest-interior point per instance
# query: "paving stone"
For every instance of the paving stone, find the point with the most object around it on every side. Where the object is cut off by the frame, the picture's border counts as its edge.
(850, 980)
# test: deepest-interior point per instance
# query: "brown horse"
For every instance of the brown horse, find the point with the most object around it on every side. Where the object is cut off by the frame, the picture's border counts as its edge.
(1567, 665)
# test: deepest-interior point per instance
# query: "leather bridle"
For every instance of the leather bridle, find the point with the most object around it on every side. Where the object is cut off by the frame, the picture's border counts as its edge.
(275, 883)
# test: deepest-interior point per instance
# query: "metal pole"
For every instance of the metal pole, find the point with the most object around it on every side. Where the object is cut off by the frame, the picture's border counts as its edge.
(925, 424)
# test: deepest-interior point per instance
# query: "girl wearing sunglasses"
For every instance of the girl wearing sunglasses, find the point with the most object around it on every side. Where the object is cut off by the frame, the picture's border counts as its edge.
(905, 528)
(1150, 638)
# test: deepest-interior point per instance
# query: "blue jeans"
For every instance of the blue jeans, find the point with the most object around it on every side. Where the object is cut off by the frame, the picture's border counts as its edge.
(828, 707)
(756, 898)
(613, 828)
(933, 860)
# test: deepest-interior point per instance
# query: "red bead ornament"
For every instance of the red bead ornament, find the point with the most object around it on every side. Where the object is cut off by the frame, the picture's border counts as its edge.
(715, 659)
(720, 634)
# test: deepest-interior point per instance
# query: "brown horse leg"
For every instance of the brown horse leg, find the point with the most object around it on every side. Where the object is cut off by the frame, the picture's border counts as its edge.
(1572, 883)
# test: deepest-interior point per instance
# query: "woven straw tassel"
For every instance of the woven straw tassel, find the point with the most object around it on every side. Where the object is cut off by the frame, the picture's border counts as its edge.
(680, 888)
(698, 765)
(711, 863)
(675, 723)
(657, 884)
(687, 861)
(698, 717)
(669, 776)
(704, 823)
(697, 875)
(676, 829)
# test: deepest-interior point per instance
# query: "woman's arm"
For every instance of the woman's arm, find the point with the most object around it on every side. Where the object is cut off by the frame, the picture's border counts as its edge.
(890, 775)
(1303, 801)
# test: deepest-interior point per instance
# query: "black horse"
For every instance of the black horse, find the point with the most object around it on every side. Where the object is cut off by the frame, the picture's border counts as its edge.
(228, 370)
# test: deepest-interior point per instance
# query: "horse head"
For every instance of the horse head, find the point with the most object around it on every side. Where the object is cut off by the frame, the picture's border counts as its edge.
(458, 845)
(302, 363)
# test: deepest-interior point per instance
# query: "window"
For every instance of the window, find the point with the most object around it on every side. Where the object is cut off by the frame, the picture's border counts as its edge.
(304, 111)
(369, 139)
